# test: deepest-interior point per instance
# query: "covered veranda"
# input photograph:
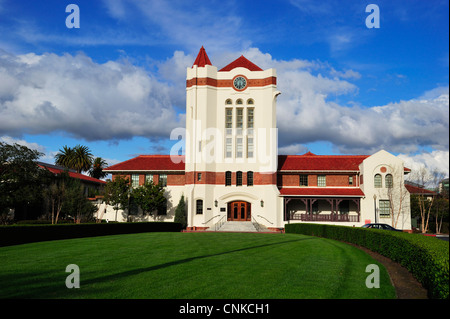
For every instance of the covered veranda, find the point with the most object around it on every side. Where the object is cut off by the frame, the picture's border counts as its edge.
(322, 204)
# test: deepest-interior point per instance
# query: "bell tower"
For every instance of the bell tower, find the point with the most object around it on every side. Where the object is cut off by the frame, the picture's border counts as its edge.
(231, 136)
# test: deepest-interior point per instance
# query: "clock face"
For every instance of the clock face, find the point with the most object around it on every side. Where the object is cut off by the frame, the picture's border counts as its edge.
(240, 83)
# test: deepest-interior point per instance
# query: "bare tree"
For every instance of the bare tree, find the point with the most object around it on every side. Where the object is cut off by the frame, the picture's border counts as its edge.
(426, 180)
(397, 193)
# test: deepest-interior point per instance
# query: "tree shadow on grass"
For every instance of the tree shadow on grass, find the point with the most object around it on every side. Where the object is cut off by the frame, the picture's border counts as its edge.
(51, 284)
(182, 261)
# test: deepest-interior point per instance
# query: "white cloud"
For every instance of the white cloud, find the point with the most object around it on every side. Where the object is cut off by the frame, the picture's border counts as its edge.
(48, 93)
(435, 160)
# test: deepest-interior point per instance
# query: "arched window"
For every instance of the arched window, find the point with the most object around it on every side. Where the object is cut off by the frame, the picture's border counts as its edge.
(389, 181)
(250, 102)
(239, 178)
(199, 207)
(228, 102)
(377, 181)
(227, 178)
(239, 102)
(249, 178)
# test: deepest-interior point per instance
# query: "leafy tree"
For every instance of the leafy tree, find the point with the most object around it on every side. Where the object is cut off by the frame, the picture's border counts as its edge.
(116, 193)
(76, 205)
(56, 194)
(180, 213)
(21, 179)
(150, 197)
(96, 170)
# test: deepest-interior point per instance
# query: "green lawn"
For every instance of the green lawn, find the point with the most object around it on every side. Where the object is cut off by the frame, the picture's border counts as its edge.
(191, 265)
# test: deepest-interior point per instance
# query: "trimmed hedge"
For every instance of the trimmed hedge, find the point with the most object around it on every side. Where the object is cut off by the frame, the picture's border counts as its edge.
(21, 234)
(427, 258)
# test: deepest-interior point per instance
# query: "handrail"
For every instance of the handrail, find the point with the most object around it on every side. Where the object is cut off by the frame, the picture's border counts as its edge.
(265, 219)
(256, 224)
(220, 222)
(211, 219)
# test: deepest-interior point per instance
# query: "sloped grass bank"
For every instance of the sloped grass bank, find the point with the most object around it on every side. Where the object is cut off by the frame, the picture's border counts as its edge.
(425, 257)
(191, 266)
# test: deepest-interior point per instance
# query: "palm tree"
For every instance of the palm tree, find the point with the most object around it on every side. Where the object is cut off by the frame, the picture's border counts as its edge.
(65, 157)
(82, 158)
(96, 170)
(78, 158)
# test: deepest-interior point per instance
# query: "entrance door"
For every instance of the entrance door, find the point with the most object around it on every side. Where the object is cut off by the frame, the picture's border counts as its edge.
(239, 211)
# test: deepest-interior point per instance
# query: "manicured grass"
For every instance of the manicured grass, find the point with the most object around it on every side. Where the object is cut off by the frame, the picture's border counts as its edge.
(191, 265)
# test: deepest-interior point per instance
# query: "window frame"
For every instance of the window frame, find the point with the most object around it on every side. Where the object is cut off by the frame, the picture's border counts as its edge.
(250, 178)
(321, 180)
(199, 207)
(377, 181)
(238, 178)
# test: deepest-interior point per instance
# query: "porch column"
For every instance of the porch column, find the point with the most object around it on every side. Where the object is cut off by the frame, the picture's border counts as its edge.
(287, 216)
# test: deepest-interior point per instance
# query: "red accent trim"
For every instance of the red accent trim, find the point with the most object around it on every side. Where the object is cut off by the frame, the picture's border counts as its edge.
(229, 83)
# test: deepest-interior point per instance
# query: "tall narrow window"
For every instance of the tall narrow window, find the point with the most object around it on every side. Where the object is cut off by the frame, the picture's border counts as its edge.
(134, 180)
(321, 180)
(228, 147)
(384, 210)
(227, 178)
(239, 178)
(239, 147)
(377, 181)
(228, 121)
(250, 147)
(389, 181)
(249, 178)
(350, 180)
(199, 207)
(250, 118)
(303, 180)
(163, 180)
(239, 121)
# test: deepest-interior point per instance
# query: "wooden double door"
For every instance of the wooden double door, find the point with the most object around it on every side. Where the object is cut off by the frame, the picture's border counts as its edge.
(239, 211)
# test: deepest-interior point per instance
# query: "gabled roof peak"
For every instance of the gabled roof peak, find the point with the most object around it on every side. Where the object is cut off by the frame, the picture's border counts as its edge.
(241, 62)
(309, 154)
(202, 58)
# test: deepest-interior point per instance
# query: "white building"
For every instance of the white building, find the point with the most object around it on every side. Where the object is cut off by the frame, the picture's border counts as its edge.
(232, 172)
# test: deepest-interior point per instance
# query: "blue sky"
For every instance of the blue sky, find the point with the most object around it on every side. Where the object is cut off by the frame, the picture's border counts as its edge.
(117, 84)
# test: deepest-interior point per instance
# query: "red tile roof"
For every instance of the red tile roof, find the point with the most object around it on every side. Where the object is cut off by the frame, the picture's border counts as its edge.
(322, 191)
(312, 162)
(418, 190)
(150, 163)
(243, 63)
(202, 58)
(56, 170)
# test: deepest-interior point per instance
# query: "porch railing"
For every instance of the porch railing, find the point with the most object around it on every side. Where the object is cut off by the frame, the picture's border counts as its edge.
(326, 217)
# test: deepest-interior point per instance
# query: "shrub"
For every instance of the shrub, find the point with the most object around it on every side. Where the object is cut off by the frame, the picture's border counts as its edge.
(21, 234)
(427, 258)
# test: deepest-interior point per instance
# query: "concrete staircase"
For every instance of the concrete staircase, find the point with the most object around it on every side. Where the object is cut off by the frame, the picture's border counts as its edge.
(241, 227)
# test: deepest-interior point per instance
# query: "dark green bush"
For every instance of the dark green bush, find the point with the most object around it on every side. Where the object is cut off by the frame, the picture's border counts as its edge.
(427, 258)
(21, 234)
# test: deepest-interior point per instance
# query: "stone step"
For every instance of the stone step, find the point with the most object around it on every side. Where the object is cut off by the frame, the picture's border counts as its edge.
(237, 227)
